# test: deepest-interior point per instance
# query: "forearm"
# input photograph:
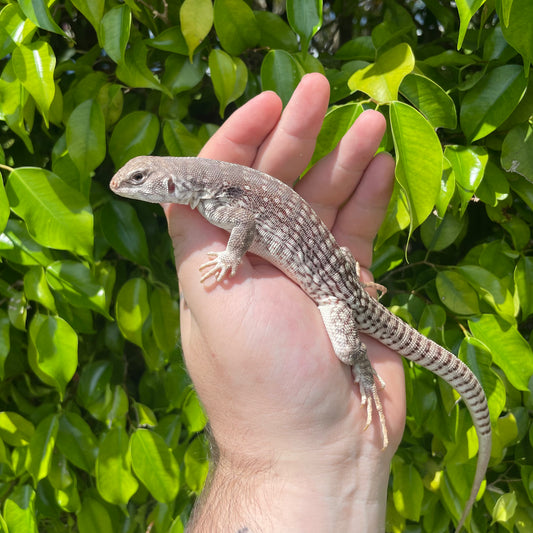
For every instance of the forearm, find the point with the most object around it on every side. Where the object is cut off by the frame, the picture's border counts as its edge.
(298, 493)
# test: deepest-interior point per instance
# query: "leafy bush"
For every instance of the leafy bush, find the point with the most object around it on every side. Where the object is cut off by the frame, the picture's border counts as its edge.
(100, 429)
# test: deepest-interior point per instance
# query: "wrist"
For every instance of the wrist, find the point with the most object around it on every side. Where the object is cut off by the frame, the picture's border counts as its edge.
(327, 489)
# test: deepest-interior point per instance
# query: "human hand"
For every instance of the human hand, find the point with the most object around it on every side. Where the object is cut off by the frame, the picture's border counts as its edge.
(255, 346)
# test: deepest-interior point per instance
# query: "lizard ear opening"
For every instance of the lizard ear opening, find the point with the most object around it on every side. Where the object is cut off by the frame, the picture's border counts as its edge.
(171, 186)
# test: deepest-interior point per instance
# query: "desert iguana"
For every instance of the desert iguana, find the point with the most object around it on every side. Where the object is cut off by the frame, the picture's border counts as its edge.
(268, 218)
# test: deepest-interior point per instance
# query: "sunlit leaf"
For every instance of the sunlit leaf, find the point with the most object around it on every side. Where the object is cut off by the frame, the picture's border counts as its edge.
(418, 160)
(42, 446)
(510, 351)
(56, 215)
(114, 478)
(196, 19)
(34, 66)
(381, 80)
(38, 12)
(154, 464)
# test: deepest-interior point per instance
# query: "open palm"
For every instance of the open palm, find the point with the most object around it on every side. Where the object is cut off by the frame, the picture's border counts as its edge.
(255, 345)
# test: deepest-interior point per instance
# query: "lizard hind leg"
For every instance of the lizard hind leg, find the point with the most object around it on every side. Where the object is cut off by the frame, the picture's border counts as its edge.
(342, 331)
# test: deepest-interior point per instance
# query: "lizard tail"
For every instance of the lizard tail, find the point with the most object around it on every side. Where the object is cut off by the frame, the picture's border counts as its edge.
(396, 334)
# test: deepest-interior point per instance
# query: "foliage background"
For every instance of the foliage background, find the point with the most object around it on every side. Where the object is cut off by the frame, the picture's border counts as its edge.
(99, 427)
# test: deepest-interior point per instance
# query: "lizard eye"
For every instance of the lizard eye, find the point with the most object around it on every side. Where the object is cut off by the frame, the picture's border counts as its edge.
(137, 177)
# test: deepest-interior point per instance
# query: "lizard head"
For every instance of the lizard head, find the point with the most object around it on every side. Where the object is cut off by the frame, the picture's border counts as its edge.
(154, 179)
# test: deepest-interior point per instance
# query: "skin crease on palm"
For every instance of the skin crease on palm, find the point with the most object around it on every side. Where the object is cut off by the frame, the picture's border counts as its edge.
(277, 398)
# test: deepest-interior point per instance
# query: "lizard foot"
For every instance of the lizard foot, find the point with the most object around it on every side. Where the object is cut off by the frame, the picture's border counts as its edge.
(223, 265)
(369, 396)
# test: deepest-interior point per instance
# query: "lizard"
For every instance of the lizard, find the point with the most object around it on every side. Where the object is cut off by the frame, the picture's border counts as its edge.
(268, 218)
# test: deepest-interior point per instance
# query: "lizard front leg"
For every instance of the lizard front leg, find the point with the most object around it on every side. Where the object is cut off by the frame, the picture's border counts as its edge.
(242, 234)
(344, 336)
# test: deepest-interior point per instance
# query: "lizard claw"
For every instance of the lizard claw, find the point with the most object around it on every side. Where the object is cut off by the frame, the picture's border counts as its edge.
(221, 266)
(369, 396)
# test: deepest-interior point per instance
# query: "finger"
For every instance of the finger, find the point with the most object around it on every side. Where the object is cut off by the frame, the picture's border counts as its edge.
(330, 183)
(359, 219)
(288, 149)
(239, 138)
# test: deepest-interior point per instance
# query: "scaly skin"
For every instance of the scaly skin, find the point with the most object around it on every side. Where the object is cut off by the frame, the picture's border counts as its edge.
(268, 218)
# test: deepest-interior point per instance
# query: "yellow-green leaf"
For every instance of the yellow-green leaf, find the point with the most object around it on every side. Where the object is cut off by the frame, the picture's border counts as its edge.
(34, 66)
(419, 160)
(196, 18)
(382, 79)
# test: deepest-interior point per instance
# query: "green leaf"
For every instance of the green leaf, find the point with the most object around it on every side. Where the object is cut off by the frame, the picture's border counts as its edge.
(85, 134)
(196, 419)
(134, 72)
(280, 73)
(165, 319)
(430, 99)
(135, 134)
(15, 29)
(17, 246)
(196, 20)
(36, 288)
(110, 100)
(181, 74)
(78, 285)
(275, 32)
(439, 233)
(418, 160)
(76, 441)
(337, 122)
(196, 461)
(34, 66)
(56, 345)
(468, 164)
(382, 79)
(479, 360)
(15, 430)
(132, 309)
(466, 9)
(92, 10)
(179, 141)
(517, 151)
(516, 27)
(236, 27)
(37, 11)
(154, 464)
(492, 100)
(456, 293)
(56, 215)
(122, 229)
(172, 39)
(114, 479)
(18, 310)
(5, 342)
(505, 508)
(114, 32)
(407, 490)
(523, 277)
(4, 207)
(94, 517)
(42, 446)
(305, 18)
(19, 510)
(229, 76)
(510, 351)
